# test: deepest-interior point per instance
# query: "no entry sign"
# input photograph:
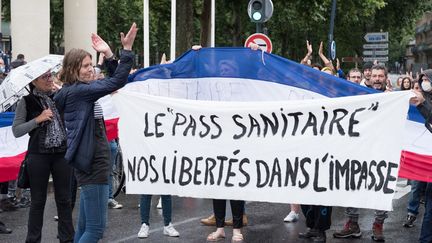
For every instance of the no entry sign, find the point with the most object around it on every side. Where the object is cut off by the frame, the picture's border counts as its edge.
(261, 40)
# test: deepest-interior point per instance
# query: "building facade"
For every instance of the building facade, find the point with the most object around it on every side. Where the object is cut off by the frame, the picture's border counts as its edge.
(422, 51)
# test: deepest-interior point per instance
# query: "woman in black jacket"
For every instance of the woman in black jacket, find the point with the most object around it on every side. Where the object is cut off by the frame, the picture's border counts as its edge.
(37, 115)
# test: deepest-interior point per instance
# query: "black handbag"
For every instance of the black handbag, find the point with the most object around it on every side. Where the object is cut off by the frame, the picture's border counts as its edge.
(23, 180)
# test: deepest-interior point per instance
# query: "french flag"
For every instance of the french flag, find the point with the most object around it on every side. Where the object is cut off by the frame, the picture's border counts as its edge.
(240, 74)
(13, 150)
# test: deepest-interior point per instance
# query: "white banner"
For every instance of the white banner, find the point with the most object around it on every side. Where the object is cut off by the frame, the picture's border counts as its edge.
(340, 151)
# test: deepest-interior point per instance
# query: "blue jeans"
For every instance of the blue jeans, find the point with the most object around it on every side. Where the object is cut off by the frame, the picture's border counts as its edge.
(92, 213)
(145, 209)
(113, 155)
(414, 201)
(426, 230)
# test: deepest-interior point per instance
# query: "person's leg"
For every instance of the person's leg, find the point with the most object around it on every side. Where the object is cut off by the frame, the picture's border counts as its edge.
(166, 209)
(73, 188)
(414, 203)
(95, 206)
(61, 173)
(219, 207)
(322, 215)
(378, 225)
(293, 214)
(426, 230)
(237, 209)
(145, 203)
(308, 213)
(113, 154)
(81, 224)
(38, 168)
(351, 227)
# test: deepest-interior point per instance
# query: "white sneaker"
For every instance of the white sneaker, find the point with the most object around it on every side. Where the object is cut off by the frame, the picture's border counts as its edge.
(170, 231)
(144, 231)
(159, 205)
(114, 204)
(291, 217)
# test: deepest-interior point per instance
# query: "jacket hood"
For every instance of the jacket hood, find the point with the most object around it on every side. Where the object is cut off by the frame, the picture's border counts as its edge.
(428, 74)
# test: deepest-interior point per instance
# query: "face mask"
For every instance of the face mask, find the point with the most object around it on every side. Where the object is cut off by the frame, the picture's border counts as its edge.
(426, 86)
(2, 69)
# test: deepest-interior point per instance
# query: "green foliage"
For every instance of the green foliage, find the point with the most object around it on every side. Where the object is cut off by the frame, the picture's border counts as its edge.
(293, 23)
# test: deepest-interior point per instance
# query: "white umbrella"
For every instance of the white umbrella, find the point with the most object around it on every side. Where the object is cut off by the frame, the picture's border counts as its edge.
(12, 88)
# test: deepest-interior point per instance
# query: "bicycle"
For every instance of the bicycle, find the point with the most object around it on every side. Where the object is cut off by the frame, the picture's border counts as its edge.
(118, 174)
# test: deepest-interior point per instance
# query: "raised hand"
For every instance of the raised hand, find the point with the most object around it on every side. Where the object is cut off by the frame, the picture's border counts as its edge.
(100, 45)
(320, 50)
(337, 64)
(196, 47)
(418, 99)
(309, 48)
(128, 39)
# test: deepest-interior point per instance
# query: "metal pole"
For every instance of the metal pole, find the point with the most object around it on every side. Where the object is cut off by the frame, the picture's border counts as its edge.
(212, 23)
(332, 18)
(173, 30)
(259, 27)
(146, 34)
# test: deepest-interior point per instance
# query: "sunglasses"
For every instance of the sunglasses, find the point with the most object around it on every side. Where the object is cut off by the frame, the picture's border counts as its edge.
(46, 76)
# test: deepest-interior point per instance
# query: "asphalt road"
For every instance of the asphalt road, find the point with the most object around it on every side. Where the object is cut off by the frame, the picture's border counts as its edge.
(265, 222)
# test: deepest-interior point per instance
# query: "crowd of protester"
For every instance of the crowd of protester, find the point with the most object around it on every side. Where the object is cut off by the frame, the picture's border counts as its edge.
(53, 125)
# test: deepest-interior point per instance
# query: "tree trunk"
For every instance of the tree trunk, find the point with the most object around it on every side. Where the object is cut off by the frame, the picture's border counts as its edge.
(185, 28)
(205, 21)
(237, 25)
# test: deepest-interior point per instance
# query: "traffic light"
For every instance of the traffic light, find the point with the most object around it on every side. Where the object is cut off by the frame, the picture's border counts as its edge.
(260, 10)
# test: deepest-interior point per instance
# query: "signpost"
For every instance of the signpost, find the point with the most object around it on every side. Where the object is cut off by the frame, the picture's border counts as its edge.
(377, 37)
(261, 40)
(375, 53)
(376, 48)
(333, 50)
(379, 59)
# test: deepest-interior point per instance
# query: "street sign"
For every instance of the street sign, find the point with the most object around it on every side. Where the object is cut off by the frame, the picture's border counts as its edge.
(333, 50)
(375, 53)
(352, 59)
(261, 40)
(371, 59)
(375, 46)
(376, 37)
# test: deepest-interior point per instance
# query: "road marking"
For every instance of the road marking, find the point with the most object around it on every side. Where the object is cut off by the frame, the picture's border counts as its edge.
(135, 236)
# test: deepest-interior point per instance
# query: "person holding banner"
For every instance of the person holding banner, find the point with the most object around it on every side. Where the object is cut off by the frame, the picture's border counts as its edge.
(145, 204)
(37, 115)
(88, 150)
(423, 101)
(377, 81)
(219, 208)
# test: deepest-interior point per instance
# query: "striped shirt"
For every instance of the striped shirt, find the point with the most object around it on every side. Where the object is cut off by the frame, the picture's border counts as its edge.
(98, 112)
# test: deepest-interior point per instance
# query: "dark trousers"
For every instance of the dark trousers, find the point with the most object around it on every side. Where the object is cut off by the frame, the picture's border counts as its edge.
(426, 230)
(4, 187)
(237, 209)
(39, 168)
(317, 217)
(73, 188)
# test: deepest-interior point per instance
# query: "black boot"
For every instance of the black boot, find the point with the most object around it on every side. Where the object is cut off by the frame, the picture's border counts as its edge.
(308, 234)
(4, 229)
(320, 238)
